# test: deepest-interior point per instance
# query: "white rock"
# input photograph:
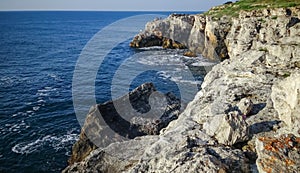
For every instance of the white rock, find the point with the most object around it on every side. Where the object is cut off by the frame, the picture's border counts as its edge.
(286, 98)
(227, 129)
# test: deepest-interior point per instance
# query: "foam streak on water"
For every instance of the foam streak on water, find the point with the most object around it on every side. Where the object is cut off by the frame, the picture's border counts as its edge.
(55, 142)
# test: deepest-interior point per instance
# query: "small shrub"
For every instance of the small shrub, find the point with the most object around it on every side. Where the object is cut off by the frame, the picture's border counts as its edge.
(263, 49)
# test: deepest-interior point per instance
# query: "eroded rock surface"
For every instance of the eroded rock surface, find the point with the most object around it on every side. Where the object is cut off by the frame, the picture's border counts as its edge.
(278, 154)
(199, 33)
(126, 118)
(244, 100)
(286, 99)
(227, 129)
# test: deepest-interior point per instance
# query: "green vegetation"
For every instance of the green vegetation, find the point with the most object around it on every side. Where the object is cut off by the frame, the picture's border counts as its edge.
(263, 49)
(262, 20)
(247, 5)
(287, 74)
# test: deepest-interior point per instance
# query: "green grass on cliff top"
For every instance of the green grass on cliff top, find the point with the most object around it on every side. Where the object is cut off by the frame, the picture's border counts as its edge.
(247, 5)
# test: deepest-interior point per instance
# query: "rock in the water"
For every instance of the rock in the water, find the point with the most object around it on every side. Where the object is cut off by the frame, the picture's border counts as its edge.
(190, 54)
(227, 129)
(278, 154)
(144, 111)
(146, 41)
(286, 99)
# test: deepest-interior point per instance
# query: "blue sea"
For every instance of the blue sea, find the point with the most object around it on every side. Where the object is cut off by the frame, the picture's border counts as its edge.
(39, 52)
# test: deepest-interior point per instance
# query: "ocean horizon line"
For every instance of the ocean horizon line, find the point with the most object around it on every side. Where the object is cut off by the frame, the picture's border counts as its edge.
(87, 10)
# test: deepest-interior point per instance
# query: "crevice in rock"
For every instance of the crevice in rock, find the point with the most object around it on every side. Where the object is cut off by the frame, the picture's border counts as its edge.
(293, 21)
(257, 108)
(265, 126)
(249, 154)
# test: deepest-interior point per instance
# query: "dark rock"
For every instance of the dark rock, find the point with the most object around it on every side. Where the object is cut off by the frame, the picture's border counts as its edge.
(293, 22)
(288, 12)
(228, 2)
(146, 41)
(115, 121)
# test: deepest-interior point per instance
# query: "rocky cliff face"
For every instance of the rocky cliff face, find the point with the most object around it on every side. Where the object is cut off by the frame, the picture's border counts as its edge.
(245, 118)
(199, 33)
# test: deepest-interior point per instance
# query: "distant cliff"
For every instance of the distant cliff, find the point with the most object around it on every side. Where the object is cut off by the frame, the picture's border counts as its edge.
(217, 38)
(247, 115)
(199, 33)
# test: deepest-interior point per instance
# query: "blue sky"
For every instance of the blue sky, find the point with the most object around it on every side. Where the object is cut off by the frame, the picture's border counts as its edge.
(114, 5)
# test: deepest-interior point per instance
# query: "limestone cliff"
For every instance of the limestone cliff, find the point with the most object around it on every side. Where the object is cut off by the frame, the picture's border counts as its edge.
(200, 33)
(246, 117)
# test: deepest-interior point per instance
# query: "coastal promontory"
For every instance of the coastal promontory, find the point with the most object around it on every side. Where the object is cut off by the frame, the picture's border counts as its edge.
(245, 118)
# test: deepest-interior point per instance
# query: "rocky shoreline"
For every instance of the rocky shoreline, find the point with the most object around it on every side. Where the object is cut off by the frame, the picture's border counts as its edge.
(246, 118)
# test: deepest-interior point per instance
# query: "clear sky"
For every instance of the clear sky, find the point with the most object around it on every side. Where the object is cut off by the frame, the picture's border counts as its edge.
(114, 5)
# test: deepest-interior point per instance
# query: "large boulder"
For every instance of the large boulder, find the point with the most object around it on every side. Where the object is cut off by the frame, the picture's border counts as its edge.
(286, 99)
(227, 129)
(144, 111)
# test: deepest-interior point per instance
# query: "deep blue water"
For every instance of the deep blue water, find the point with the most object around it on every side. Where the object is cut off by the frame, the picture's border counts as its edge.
(38, 54)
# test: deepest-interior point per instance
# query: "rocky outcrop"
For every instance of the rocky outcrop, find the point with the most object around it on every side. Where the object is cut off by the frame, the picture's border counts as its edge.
(199, 33)
(117, 157)
(105, 125)
(245, 118)
(227, 129)
(286, 99)
(279, 154)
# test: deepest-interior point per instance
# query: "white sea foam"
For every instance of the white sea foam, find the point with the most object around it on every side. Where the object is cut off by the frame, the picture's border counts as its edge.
(14, 115)
(36, 108)
(57, 143)
(42, 94)
(29, 103)
(179, 79)
(151, 48)
(160, 60)
(49, 88)
(41, 101)
(203, 63)
(55, 77)
(18, 127)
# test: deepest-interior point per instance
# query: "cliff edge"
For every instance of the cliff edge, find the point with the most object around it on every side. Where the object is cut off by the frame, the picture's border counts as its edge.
(246, 116)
